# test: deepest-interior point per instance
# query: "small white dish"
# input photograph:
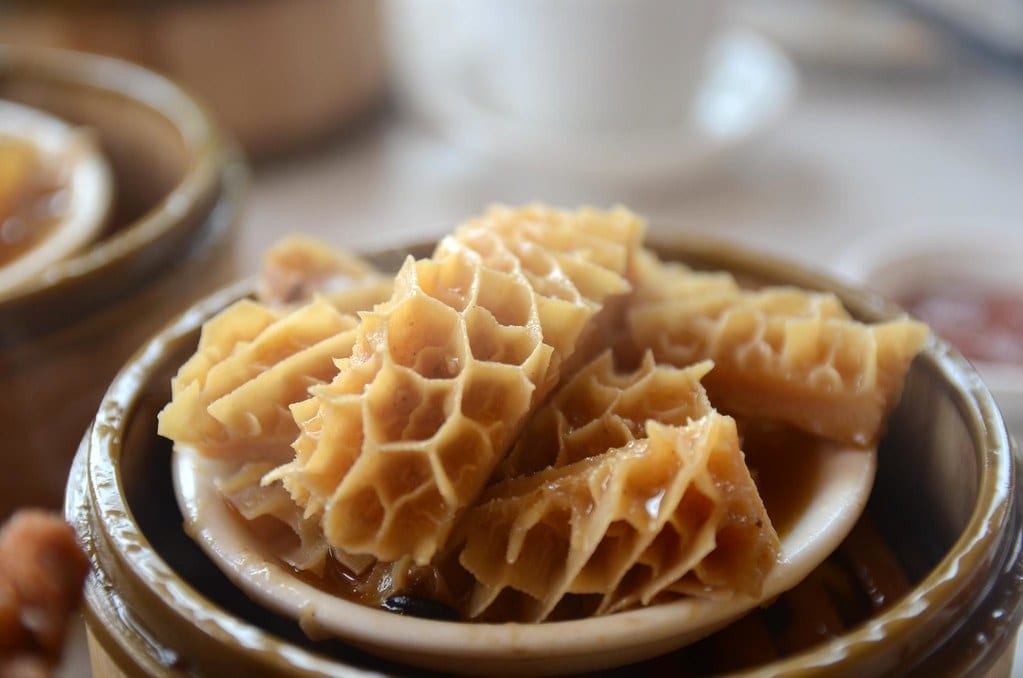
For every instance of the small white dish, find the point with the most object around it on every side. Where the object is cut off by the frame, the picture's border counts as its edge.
(747, 85)
(905, 262)
(89, 190)
(842, 480)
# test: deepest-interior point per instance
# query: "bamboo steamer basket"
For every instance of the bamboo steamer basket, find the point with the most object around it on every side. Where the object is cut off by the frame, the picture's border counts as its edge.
(947, 501)
(178, 184)
(277, 73)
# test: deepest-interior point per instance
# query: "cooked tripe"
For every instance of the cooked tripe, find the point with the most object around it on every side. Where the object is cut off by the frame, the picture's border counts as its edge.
(601, 408)
(536, 423)
(444, 374)
(299, 267)
(255, 359)
(676, 508)
(278, 521)
(779, 352)
(231, 398)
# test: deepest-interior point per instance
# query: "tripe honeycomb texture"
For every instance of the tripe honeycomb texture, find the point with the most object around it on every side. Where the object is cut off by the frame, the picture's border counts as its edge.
(523, 427)
(257, 357)
(601, 408)
(780, 353)
(279, 519)
(677, 505)
(444, 374)
(232, 397)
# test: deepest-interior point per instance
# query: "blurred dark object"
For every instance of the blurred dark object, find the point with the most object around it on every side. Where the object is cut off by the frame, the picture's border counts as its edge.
(277, 73)
(847, 36)
(178, 188)
(41, 575)
(892, 36)
(993, 28)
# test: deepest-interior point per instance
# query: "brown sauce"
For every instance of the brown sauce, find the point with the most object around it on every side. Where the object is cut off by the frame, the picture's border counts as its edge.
(984, 324)
(32, 199)
(785, 465)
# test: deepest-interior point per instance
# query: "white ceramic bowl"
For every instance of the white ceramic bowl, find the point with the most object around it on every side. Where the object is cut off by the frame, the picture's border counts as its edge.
(843, 479)
(72, 152)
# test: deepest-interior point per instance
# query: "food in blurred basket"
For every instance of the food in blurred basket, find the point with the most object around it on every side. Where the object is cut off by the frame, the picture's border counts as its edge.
(41, 574)
(55, 193)
(277, 73)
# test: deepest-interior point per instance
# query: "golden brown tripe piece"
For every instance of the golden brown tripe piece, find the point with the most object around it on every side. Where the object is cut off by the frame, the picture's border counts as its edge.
(779, 352)
(298, 267)
(444, 374)
(480, 400)
(232, 397)
(600, 408)
(255, 358)
(674, 510)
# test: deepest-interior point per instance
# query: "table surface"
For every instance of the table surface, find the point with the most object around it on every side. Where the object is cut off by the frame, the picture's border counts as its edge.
(857, 157)
(853, 159)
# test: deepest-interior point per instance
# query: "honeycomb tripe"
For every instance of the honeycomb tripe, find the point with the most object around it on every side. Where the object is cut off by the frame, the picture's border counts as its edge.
(298, 267)
(231, 398)
(600, 408)
(274, 517)
(677, 508)
(786, 354)
(443, 375)
(657, 280)
(570, 259)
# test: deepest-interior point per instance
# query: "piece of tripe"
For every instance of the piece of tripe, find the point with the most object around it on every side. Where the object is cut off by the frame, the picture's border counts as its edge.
(674, 510)
(780, 353)
(275, 519)
(601, 408)
(231, 398)
(298, 267)
(255, 358)
(444, 374)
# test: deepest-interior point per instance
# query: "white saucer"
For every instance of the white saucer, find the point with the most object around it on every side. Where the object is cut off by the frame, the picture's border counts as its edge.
(749, 84)
(842, 482)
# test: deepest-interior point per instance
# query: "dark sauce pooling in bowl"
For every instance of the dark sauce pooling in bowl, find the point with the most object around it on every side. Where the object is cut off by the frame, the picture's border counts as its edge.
(423, 608)
(402, 587)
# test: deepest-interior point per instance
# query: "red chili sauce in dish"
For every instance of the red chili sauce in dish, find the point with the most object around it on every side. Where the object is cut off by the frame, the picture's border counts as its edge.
(985, 324)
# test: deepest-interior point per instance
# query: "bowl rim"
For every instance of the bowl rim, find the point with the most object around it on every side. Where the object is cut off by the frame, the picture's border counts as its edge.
(644, 632)
(943, 586)
(976, 546)
(176, 215)
(112, 525)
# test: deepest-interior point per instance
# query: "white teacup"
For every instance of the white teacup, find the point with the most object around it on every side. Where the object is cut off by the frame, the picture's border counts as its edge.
(589, 66)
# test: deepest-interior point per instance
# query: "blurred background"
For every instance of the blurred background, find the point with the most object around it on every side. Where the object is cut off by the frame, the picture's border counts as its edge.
(880, 140)
(838, 133)
(822, 122)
